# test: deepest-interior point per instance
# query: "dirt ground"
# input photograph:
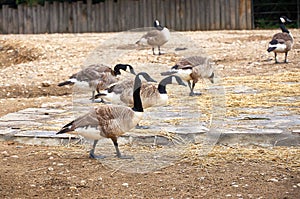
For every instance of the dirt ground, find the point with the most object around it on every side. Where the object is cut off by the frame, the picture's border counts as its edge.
(32, 65)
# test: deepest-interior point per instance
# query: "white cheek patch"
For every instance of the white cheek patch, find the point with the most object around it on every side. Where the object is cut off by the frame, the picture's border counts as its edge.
(157, 22)
(173, 80)
(282, 20)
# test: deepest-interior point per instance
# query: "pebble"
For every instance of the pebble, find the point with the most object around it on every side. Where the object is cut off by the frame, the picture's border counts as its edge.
(125, 184)
(73, 188)
(272, 180)
(50, 169)
(83, 182)
(5, 153)
(14, 156)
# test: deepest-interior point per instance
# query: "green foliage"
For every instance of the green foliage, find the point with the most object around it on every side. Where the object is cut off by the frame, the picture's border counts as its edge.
(267, 12)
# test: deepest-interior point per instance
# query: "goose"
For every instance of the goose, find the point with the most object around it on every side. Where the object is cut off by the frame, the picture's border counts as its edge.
(109, 121)
(151, 95)
(155, 38)
(281, 42)
(191, 69)
(96, 77)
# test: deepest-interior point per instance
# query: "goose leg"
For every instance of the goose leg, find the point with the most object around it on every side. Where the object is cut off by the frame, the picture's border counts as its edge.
(285, 58)
(93, 96)
(159, 50)
(153, 51)
(192, 88)
(119, 155)
(276, 58)
(92, 152)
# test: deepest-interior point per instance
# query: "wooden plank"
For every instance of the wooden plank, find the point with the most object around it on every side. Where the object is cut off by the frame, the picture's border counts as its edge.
(141, 13)
(212, 12)
(202, 12)
(182, 15)
(55, 17)
(35, 20)
(39, 18)
(193, 15)
(89, 15)
(153, 10)
(136, 14)
(102, 17)
(228, 14)
(150, 16)
(109, 16)
(249, 17)
(93, 19)
(177, 15)
(187, 15)
(116, 16)
(46, 11)
(69, 17)
(1, 20)
(242, 14)
(222, 14)
(233, 14)
(84, 19)
(74, 14)
(207, 15)
(144, 13)
(28, 21)
(237, 21)
(61, 18)
(217, 15)
(9, 18)
(4, 18)
(172, 14)
(15, 21)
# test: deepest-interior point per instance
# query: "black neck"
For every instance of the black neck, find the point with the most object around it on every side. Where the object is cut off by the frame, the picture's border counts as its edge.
(137, 102)
(283, 28)
(162, 88)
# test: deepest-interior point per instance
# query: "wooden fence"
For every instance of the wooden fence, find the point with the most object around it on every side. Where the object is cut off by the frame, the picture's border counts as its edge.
(121, 15)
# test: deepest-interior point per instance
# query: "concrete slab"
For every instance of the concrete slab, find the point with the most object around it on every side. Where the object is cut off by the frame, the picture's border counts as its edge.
(39, 126)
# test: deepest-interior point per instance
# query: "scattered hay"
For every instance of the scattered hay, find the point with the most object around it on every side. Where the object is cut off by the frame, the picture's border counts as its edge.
(14, 52)
(282, 156)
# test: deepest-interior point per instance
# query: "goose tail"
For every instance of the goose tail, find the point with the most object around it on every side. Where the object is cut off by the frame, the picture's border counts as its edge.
(270, 49)
(99, 95)
(168, 73)
(67, 128)
(66, 83)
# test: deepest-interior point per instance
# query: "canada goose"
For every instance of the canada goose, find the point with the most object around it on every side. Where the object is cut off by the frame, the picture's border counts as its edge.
(96, 77)
(109, 121)
(155, 38)
(121, 93)
(281, 42)
(192, 69)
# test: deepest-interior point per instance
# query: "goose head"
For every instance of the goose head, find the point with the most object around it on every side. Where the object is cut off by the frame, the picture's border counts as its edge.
(284, 19)
(172, 79)
(124, 67)
(157, 25)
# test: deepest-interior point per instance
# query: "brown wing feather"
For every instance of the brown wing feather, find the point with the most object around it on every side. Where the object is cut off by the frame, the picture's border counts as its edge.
(114, 120)
(283, 35)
